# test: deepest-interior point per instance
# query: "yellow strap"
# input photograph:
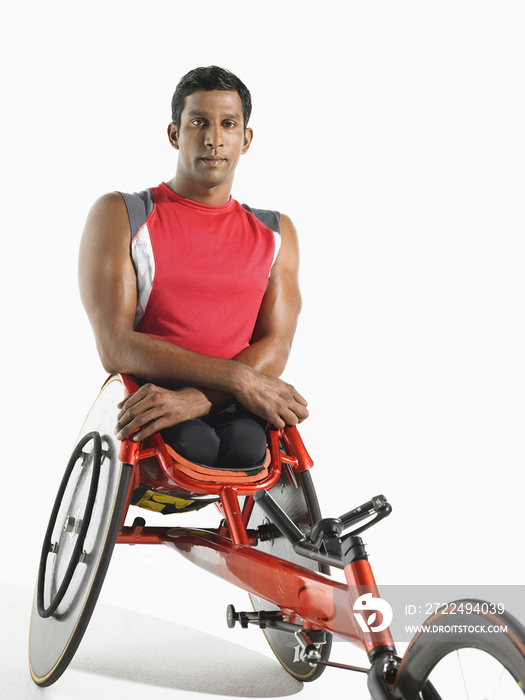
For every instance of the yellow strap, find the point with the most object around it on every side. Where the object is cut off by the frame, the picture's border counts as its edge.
(151, 500)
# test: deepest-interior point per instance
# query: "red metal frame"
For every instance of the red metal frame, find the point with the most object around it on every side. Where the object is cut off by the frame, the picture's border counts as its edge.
(227, 551)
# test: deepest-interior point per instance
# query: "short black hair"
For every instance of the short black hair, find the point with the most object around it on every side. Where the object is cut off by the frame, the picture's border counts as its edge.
(209, 78)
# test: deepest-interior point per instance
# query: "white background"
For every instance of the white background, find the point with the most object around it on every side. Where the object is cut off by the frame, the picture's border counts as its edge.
(392, 134)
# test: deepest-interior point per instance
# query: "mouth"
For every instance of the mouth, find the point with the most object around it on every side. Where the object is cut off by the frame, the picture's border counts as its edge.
(213, 160)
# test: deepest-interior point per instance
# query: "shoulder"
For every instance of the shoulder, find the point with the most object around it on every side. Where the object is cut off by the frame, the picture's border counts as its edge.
(288, 256)
(279, 223)
(122, 210)
(287, 227)
(107, 224)
(275, 220)
(268, 217)
(110, 207)
(289, 237)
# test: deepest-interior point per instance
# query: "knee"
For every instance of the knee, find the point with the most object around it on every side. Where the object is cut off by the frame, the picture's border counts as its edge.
(243, 444)
(193, 440)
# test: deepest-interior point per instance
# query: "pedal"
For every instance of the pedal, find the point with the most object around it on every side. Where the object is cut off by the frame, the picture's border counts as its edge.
(274, 620)
(261, 618)
(232, 617)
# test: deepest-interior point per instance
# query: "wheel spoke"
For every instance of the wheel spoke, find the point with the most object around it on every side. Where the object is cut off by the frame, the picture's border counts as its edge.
(462, 674)
(496, 691)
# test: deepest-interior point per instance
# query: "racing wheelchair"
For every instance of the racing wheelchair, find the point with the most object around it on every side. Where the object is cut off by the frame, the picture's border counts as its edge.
(270, 540)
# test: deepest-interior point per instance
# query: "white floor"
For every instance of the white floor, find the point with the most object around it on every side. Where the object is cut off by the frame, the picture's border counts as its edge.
(128, 654)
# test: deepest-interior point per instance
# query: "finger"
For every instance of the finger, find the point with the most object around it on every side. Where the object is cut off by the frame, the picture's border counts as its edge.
(277, 422)
(295, 414)
(300, 399)
(126, 398)
(141, 393)
(301, 415)
(124, 406)
(135, 404)
(301, 412)
(130, 400)
(289, 417)
(150, 429)
(125, 428)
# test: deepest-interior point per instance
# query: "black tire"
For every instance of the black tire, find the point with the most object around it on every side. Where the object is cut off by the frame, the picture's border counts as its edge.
(295, 494)
(465, 644)
(79, 541)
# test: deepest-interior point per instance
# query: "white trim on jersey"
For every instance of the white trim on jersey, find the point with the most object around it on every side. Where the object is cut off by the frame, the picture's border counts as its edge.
(144, 262)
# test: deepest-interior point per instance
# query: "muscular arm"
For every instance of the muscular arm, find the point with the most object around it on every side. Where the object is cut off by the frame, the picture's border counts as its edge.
(108, 290)
(277, 320)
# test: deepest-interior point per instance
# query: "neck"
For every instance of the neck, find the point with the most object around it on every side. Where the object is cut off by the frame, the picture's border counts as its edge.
(213, 195)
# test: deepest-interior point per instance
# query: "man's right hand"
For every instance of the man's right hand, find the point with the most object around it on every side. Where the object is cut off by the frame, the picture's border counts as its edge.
(270, 398)
(152, 408)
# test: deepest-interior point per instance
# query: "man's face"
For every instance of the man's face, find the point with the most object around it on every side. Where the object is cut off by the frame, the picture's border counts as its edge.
(210, 140)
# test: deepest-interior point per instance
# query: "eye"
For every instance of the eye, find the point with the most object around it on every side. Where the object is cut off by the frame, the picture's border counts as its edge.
(229, 124)
(197, 122)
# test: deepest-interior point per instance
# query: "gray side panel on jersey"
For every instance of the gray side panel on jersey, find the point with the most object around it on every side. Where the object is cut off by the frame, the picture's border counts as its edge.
(271, 219)
(139, 206)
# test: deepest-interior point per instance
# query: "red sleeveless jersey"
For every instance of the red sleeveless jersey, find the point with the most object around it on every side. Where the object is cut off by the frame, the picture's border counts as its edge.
(202, 270)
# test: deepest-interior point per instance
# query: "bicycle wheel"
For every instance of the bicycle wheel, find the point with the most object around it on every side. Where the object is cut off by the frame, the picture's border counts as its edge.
(473, 655)
(79, 540)
(295, 493)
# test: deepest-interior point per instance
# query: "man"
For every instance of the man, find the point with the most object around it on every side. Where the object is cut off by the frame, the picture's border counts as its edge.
(203, 306)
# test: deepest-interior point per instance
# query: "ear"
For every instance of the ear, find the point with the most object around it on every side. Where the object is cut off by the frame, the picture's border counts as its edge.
(248, 136)
(173, 135)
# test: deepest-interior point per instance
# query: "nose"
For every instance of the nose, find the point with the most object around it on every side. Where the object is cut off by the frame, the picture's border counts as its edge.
(213, 136)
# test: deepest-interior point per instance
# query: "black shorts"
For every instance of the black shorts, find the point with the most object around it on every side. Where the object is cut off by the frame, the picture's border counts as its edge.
(230, 438)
